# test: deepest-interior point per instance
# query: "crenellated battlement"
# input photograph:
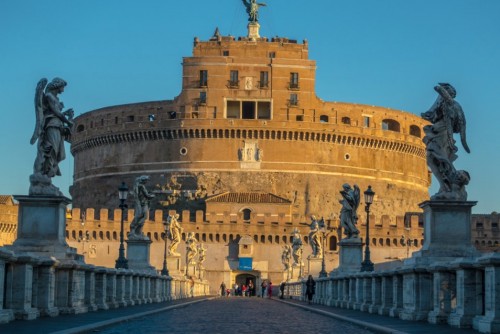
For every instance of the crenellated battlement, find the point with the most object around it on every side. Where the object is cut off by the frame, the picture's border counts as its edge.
(265, 228)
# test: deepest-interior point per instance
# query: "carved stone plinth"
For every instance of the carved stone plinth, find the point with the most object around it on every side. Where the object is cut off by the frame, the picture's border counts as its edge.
(191, 270)
(351, 255)
(296, 272)
(174, 266)
(253, 30)
(314, 266)
(447, 232)
(138, 255)
(42, 228)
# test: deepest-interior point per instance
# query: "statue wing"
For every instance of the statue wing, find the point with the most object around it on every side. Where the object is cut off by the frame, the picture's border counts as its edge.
(38, 109)
(247, 5)
(356, 193)
(461, 128)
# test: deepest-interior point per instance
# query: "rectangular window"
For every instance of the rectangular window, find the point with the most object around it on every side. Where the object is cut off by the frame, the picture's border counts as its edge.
(294, 100)
(366, 121)
(233, 79)
(479, 224)
(299, 118)
(203, 78)
(272, 54)
(225, 53)
(248, 110)
(264, 110)
(264, 79)
(294, 80)
(233, 109)
(203, 97)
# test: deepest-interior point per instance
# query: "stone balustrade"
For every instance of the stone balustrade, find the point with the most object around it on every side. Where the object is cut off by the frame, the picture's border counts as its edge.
(32, 287)
(463, 293)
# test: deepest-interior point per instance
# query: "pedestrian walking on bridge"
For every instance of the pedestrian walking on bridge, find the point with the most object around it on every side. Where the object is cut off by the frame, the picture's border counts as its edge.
(310, 288)
(222, 289)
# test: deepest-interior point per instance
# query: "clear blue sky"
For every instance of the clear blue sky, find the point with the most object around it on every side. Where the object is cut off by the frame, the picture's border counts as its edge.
(379, 52)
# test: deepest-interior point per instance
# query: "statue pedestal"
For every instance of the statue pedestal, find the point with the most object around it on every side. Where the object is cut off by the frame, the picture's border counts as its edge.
(174, 265)
(296, 272)
(447, 232)
(138, 255)
(191, 270)
(253, 30)
(351, 256)
(41, 229)
(314, 266)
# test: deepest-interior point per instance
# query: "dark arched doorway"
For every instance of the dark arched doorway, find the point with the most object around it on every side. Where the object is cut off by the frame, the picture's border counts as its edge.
(245, 278)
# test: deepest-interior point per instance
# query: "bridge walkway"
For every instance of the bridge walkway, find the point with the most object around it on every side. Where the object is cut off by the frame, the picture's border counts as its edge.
(225, 315)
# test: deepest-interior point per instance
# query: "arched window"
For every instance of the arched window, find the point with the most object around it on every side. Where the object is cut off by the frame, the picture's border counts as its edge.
(333, 243)
(415, 131)
(391, 125)
(246, 214)
(346, 120)
(323, 119)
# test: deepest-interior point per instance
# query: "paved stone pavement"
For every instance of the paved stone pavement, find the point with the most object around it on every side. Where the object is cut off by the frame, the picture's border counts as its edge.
(225, 315)
(237, 315)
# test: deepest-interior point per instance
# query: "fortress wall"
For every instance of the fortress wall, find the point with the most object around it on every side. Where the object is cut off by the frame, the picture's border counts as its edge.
(98, 237)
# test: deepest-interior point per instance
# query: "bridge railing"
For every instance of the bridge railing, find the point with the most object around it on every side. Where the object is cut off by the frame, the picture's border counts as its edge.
(31, 287)
(463, 293)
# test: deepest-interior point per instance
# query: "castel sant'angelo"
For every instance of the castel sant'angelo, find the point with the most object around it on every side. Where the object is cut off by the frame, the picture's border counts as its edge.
(245, 154)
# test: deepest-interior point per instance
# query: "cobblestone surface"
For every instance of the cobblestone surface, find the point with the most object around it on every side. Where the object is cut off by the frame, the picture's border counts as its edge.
(236, 315)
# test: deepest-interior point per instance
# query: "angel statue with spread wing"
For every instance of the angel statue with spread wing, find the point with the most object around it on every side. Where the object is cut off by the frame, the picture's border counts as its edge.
(52, 128)
(252, 7)
(348, 215)
(447, 118)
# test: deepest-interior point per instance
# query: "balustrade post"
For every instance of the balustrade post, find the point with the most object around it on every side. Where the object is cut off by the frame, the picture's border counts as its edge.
(90, 286)
(6, 315)
(397, 295)
(490, 321)
(100, 288)
(111, 288)
(367, 293)
(386, 294)
(46, 285)
(469, 287)
(444, 288)
(376, 294)
(417, 294)
(19, 289)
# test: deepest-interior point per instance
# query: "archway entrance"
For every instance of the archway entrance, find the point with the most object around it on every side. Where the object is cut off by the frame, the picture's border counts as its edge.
(250, 280)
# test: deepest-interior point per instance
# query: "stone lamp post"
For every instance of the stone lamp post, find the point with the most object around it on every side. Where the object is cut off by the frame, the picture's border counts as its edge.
(324, 230)
(164, 270)
(367, 264)
(122, 262)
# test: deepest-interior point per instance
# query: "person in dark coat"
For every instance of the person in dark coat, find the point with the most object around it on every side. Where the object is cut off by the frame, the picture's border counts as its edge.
(222, 289)
(310, 288)
(282, 289)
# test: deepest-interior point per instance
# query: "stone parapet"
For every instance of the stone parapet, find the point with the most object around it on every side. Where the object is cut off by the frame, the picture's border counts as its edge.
(29, 287)
(463, 293)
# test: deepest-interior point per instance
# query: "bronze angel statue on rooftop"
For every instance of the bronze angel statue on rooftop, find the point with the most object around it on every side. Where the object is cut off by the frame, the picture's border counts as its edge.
(53, 126)
(252, 7)
(447, 118)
